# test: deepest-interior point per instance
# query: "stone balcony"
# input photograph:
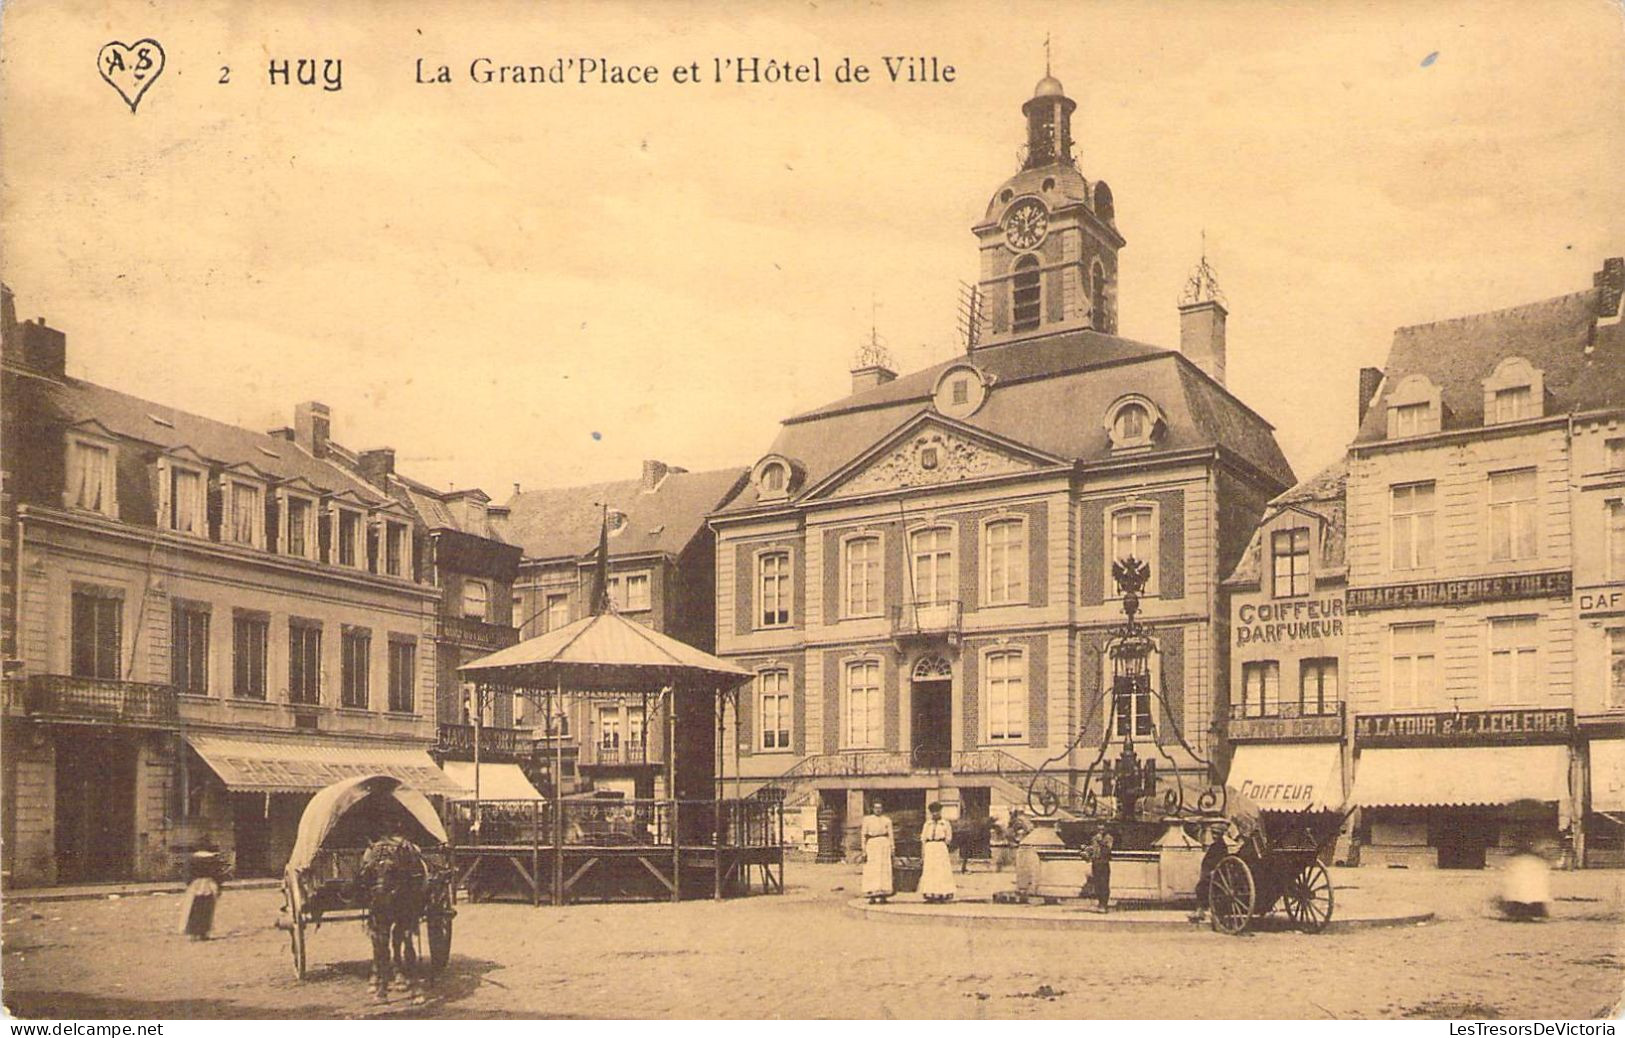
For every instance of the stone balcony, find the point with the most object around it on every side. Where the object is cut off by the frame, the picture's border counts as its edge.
(926, 619)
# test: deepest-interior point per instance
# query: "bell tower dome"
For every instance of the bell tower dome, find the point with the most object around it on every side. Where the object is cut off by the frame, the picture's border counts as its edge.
(1049, 238)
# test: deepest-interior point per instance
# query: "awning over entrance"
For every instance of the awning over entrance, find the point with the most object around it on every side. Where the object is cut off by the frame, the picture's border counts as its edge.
(497, 781)
(1608, 775)
(1438, 777)
(247, 764)
(1296, 777)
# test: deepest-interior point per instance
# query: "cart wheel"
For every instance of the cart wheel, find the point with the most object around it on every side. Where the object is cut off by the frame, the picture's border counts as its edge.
(439, 942)
(1308, 898)
(1230, 896)
(296, 928)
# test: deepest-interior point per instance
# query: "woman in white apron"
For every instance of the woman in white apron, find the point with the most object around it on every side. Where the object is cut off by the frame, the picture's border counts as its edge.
(877, 852)
(937, 877)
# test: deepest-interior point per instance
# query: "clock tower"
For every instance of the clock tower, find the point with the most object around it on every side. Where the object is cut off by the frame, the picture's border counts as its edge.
(1049, 238)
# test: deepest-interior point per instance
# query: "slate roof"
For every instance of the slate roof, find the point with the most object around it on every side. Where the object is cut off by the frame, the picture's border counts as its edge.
(72, 400)
(1583, 365)
(563, 522)
(431, 506)
(1050, 393)
(1323, 494)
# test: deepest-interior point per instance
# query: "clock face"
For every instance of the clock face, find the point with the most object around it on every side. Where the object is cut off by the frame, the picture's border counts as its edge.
(1026, 224)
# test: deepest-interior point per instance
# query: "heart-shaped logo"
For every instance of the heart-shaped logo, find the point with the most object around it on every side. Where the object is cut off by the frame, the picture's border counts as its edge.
(130, 68)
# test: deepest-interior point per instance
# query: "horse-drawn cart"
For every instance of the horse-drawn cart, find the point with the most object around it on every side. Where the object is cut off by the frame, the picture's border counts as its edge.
(1262, 876)
(323, 881)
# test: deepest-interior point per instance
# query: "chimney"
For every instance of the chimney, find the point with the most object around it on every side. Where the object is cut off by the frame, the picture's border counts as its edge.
(1201, 336)
(377, 465)
(871, 376)
(653, 473)
(311, 422)
(1370, 380)
(1610, 282)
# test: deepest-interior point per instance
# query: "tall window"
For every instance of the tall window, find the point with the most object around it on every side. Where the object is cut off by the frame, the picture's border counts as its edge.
(476, 599)
(862, 581)
(1412, 665)
(774, 691)
(349, 530)
(1004, 545)
(609, 727)
(1006, 694)
(1097, 299)
(1289, 550)
(1025, 295)
(1514, 660)
(298, 527)
(1413, 515)
(1615, 538)
(634, 731)
(247, 513)
(395, 549)
(250, 633)
(1317, 686)
(1616, 667)
(934, 579)
(773, 588)
(1260, 688)
(1614, 454)
(186, 513)
(1132, 534)
(1131, 705)
(189, 648)
(304, 662)
(1513, 403)
(1408, 419)
(355, 668)
(865, 723)
(403, 667)
(636, 592)
(90, 477)
(558, 611)
(97, 629)
(1512, 515)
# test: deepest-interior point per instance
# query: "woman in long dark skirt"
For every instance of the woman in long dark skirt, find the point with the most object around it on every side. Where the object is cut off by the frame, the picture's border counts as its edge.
(203, 870)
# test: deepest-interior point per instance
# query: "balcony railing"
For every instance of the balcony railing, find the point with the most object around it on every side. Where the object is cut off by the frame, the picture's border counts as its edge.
(98, 699)
(1249, 721)
(925, 618)
(618, 754)
(456, 741)
(477, 634)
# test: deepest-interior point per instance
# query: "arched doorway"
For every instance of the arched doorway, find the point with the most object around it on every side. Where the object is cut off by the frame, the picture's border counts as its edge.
(931, 713)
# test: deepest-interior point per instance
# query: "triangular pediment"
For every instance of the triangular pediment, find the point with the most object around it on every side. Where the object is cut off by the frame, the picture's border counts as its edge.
(931, 450)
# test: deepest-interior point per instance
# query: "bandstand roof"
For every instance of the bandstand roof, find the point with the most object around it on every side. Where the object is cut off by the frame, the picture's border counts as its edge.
(606, 653)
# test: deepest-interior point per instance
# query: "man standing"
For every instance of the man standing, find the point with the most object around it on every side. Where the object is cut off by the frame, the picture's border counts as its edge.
(1100, 867)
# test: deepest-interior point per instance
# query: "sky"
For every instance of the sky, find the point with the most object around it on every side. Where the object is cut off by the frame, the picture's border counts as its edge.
(546, 283)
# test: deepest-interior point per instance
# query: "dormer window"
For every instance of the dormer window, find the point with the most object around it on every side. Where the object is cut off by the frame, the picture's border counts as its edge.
(349, 535)
(1414, 408)
(184, 496)
(91, 475)
(297, 532)
(397, 546)
(1289, 557)
(1515, 390)
(1133, 422)
(775, 477)
(960, 391)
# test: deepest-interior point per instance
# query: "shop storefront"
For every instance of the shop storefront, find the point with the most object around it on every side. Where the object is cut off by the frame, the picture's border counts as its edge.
(1605, 813)
(1462, 789)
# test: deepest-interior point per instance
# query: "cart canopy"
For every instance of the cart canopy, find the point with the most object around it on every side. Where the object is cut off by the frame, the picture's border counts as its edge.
(328, 808)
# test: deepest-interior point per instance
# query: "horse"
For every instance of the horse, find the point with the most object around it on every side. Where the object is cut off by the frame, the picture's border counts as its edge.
(394, 877)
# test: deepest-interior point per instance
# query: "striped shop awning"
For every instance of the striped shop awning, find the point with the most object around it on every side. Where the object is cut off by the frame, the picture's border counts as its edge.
(269, 764)
(1461, 776)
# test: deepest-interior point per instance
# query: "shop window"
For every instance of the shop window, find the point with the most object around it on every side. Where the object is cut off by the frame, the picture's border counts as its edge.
(1289, 550)
(355, 668)
(1412, 518)
(1412, 665)
(403, 662)
(1512, 515)
(773, 588)
(304, 662)
(97, 630)
(1260, 688)
(250, 634)
(1317, 686)
(861, 586)
(189, 648)
(864, 719)
(773, 694)
(1004, 549)
(1514, 660)
(1616, 668)
(1005, 693)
